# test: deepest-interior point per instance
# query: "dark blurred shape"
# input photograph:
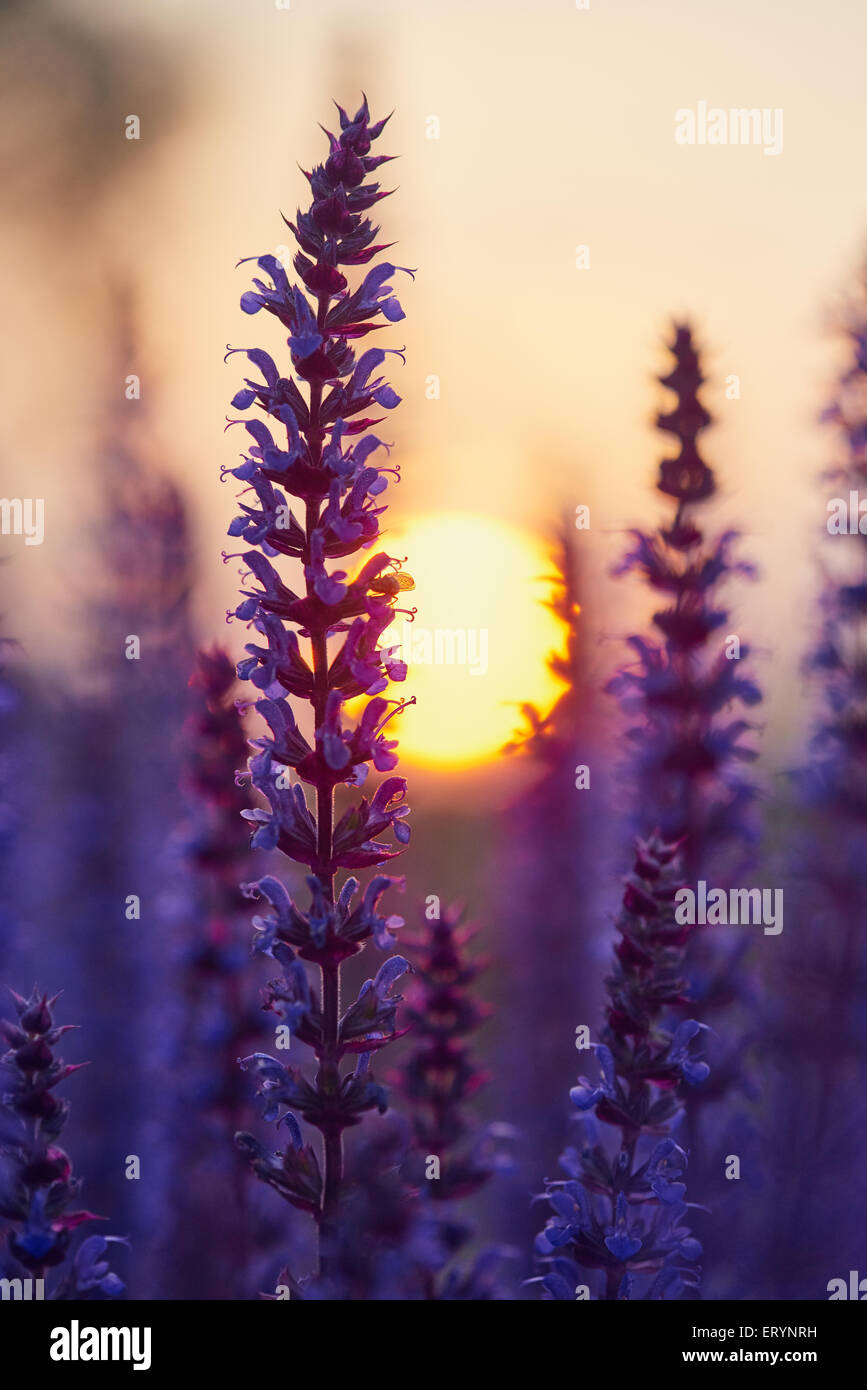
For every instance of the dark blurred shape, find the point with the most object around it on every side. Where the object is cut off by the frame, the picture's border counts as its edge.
(10, 774)
(554, 843)
(116, 755)
(217, 1230)
(817, 986)
(65, 91)
(438, 1082)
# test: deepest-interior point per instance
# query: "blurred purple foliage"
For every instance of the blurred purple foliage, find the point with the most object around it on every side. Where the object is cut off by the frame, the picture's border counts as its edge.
(10, 734)
(555, 852)
(816, 1011)
(438, 1081)
(219, 1235)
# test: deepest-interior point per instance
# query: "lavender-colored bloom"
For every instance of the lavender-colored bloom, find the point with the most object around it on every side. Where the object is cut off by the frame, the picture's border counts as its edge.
(38, 1188)
(326, 462)
(688, 752)
(91, 1275)
(689, 689)
(622, 1211)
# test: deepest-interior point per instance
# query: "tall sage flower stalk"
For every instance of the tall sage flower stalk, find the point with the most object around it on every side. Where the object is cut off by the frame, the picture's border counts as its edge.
(618, 1228)
(688, 754)
(323, 458)
(439, 1079)
(689, 688)
(38, 1190)
(440, 1075)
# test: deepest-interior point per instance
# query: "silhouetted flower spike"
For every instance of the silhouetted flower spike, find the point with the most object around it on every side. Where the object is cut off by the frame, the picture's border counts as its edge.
(441, 1075)
(687, 758)
(317, 448)
(438, 1081)
(685, 477)
(623, 1212)
(687, 689)
(39, 1188)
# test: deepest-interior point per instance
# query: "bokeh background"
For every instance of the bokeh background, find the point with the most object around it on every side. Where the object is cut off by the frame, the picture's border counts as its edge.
(553, 129)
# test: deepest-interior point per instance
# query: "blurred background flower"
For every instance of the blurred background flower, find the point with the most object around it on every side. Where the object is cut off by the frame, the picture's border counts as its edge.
(557, 223)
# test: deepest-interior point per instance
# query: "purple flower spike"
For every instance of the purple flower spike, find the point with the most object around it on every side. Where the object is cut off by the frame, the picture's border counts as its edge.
(313, 493)
(439, 1081)
(39, 1189)
(683, 679)
(621, 1212)
(687, 693)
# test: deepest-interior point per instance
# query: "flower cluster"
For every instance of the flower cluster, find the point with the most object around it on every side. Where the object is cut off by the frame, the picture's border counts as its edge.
(38, 1188)
(318, 449)
(688, 757)
(624, 1213)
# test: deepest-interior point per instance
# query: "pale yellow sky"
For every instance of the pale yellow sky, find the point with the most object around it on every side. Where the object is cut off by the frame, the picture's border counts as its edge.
(556, 130)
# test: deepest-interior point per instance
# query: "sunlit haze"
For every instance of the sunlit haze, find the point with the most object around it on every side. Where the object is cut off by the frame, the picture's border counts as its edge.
(479, 590)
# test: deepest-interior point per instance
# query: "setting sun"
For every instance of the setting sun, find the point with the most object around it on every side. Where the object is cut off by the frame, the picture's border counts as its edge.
(479, 643)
